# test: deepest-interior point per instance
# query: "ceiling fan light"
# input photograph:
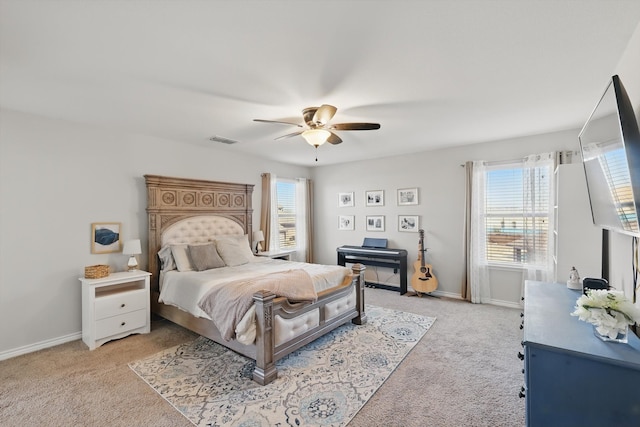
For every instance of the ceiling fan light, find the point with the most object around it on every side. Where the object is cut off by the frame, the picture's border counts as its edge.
(316, 137)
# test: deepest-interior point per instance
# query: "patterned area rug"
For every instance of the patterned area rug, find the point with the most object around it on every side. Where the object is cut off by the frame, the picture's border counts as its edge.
(325, 383)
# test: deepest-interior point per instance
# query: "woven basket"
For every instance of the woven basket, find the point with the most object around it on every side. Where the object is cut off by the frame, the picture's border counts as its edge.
(96, 271)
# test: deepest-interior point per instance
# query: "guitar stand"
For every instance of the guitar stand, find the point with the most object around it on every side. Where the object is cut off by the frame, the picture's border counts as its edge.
(419, 294)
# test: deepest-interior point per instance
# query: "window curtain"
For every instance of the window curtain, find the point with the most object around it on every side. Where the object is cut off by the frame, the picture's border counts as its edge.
(476, 283)
(539, 171)
(304, 220)
(465, 290)
(267, 219)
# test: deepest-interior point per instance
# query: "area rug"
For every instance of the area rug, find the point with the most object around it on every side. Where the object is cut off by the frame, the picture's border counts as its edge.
(325, 383)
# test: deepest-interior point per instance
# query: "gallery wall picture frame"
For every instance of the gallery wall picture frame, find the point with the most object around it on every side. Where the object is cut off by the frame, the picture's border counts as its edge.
(374, 198)
(375, 222)
(105, 237)
(409, 223)
(346, 222)
(346, 200)
(407, 196)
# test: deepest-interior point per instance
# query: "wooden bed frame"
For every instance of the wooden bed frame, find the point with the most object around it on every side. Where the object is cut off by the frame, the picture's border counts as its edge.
(170, 200)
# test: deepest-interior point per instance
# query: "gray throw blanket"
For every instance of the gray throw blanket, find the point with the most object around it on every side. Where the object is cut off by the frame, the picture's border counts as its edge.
(226, 304)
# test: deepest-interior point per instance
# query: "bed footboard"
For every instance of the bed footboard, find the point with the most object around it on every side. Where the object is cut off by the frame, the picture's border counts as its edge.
(265, 350)
(268, 307)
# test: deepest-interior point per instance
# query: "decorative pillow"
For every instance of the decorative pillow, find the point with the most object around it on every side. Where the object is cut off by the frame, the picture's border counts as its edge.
(167, 262)
(234, 250)
(181, 256)
(205, 257)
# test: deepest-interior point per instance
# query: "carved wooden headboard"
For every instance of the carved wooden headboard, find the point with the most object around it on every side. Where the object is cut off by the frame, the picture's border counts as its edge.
(170, 200)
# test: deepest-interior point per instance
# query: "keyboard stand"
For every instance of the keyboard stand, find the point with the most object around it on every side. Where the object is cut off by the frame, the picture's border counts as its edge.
(378, 257)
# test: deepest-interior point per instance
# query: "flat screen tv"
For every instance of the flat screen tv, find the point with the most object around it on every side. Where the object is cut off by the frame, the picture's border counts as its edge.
(610, 145)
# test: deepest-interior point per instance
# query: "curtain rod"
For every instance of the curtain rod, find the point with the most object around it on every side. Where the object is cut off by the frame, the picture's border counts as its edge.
(501, 162)
(497, 162)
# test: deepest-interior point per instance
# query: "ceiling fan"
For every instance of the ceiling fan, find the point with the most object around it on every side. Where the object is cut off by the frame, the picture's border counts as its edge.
(318, 129)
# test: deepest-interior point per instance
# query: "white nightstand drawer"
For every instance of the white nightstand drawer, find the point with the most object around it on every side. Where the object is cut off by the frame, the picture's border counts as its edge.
(119, 324)
(112, 305)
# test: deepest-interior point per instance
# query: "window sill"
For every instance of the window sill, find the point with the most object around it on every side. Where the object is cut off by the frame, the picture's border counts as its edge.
(508, 267)
(511, 267)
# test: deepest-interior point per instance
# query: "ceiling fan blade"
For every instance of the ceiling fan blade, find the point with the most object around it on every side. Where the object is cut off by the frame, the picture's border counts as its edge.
(324, 114)
(289, 135)
(277, 121)
(334, 139)
(355, 126)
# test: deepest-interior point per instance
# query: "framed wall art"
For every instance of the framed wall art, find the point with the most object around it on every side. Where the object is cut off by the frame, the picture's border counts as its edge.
(407, 196)
(408, 223)
(346, 222)
(105, 237)
(375, 198)
(375, 223)
(345, 200)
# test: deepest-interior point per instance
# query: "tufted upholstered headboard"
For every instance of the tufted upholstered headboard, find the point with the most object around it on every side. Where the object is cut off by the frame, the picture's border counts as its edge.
(183, 210)
(200, 229)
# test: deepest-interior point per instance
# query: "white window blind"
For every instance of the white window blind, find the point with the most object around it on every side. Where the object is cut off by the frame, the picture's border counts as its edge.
(517, 208)
(286, 196)
(614, 166)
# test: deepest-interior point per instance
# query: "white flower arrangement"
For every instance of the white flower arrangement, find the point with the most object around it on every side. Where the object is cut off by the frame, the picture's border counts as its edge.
(609, 311)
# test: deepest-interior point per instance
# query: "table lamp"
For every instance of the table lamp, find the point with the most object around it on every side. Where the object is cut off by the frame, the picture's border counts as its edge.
(132, 247)
(258, 237)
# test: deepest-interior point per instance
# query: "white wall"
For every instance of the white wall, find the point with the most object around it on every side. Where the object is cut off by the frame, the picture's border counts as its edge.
(56, 178)
(440, 179)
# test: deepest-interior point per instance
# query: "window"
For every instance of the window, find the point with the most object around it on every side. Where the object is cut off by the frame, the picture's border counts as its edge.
(510, 220)
(286, 213)
(517, 214)
(289, 217)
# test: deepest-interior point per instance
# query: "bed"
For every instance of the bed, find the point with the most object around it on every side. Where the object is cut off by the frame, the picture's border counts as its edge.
(187, 212)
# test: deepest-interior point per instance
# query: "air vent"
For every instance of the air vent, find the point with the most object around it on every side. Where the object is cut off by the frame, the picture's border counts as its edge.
(217, 138)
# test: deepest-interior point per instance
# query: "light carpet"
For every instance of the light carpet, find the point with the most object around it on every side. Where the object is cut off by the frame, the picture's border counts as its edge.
(324, 383)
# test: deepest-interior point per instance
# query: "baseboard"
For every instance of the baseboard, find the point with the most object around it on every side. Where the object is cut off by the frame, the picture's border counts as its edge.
(8, 354)
(502, 303)
(450, 295)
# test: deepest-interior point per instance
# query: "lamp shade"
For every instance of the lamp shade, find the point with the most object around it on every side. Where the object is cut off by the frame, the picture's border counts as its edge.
(132, 247)
(316, 137)
(258, 236)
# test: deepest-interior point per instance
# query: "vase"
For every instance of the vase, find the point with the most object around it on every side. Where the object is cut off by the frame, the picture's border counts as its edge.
(621, 337)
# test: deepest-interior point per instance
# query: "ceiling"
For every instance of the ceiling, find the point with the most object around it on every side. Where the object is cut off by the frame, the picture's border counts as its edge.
(433, 73)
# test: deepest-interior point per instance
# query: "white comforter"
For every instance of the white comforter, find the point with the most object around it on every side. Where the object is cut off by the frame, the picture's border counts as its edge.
(184, 290)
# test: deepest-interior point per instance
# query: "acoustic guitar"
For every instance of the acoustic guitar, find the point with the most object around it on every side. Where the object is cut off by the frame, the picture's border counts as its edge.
(423, 281)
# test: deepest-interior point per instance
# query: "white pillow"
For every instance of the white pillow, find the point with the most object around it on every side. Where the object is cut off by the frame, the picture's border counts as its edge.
(234, 250)
(181, 256)
(167, 263)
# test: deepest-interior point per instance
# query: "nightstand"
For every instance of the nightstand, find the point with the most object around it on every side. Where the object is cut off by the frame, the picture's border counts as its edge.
(115, 306)
(285, 255)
